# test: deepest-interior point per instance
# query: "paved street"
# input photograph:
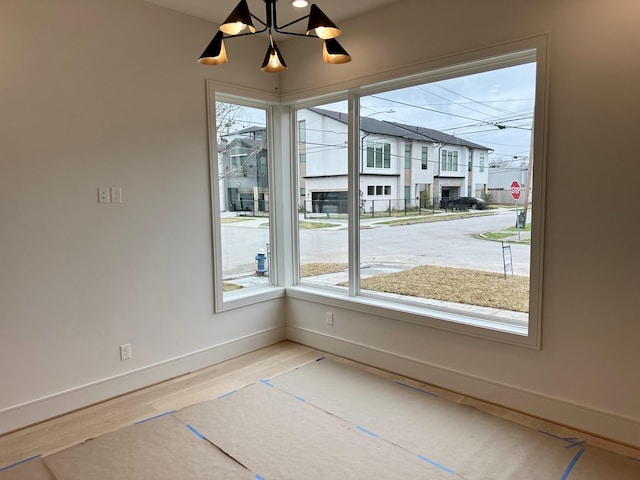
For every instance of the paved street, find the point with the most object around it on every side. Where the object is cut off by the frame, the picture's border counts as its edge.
(444, 243)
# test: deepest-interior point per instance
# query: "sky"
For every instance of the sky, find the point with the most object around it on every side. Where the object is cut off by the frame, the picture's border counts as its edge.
(493, 109)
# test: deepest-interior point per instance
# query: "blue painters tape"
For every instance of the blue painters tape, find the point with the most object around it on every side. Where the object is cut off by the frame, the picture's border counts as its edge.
(417, 389)
(195, 432)
(227, 394)
(435, 464)
(572, 464)
(267, 383)
(258, 477)
(572, 441)
(319, 359)
(2, 469)
(300, 399)
(154, 417)
(366, 431)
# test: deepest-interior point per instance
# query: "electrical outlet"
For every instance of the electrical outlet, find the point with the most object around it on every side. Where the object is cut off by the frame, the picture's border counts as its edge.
(329, 318)
(125, 351)
(116, 194)
(103, 195)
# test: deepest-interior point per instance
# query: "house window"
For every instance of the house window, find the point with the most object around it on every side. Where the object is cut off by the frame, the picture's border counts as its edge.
(241, 179)
(449, 160)
(378, 155)
(407, 155)
(413, 248)
(425, 158)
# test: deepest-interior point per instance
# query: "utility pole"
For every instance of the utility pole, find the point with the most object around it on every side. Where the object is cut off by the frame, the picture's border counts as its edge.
(527, 186)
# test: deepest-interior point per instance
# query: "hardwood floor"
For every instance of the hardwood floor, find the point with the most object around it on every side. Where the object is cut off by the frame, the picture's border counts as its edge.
(73, 428)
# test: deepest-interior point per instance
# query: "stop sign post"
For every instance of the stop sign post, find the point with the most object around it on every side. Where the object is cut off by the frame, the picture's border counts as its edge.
(515, 190)
(520, 218)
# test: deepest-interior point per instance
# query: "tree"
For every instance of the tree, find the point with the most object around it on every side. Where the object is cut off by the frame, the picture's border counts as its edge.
(231, 118)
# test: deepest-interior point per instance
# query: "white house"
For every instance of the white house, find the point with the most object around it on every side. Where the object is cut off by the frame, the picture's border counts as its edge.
(401, 166)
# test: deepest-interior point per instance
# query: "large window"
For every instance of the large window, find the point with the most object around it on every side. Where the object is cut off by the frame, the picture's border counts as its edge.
(441, 255)
(323, 212)
(241, 200)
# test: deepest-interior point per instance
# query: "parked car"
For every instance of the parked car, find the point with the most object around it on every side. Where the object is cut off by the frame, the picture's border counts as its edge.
(470, 202)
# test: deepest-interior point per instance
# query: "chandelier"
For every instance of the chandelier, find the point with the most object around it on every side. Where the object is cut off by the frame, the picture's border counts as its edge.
(239, 23)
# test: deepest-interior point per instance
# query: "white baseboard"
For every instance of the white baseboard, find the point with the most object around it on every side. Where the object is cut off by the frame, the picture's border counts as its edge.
(601, 423)
(40, 409)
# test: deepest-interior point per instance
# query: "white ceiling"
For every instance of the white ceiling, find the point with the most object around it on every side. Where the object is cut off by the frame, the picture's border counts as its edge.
(218, 10)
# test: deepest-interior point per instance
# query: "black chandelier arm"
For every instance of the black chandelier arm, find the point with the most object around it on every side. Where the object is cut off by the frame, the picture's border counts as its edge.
(259, 21)
(272, 20)
(277, 29)
(289, 24)
(226, 36)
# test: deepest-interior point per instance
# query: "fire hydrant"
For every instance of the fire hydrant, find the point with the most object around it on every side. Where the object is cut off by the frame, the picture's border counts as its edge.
(261, 258)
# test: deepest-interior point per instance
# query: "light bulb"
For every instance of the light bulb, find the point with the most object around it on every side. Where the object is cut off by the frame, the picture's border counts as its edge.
(236, 28)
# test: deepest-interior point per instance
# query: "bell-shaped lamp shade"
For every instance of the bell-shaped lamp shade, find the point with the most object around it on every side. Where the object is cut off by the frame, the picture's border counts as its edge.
(215, 53)
(238, 20)
(320, 25)
(273, 61)
(332, 52)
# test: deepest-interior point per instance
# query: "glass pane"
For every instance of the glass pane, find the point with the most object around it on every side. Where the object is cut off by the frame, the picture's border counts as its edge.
(323, 217)
(460, 125)
(243, 191)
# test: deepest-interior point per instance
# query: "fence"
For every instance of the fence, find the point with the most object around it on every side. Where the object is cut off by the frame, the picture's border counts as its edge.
(383, 207)
(251, 208)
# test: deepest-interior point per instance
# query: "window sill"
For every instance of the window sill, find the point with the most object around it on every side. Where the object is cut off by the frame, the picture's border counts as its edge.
(491, 327)
(243, 298)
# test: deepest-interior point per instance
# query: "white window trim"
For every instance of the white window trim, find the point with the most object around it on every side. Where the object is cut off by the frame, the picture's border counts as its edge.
(529, 335)
(242, 297)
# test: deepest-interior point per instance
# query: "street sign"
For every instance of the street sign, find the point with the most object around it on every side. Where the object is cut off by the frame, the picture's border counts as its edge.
(515, 190)
(506, 259)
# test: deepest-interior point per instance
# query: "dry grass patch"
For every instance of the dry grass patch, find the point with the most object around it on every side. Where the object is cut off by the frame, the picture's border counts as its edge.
(314, 269)
(230, 287)
(470, 287)
(234, 219)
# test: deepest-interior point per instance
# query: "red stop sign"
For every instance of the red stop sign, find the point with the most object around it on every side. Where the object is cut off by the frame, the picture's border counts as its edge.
(515, 190)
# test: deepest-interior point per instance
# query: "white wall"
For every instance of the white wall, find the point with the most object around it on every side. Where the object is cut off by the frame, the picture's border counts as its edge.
(586, 373)
(108, 93)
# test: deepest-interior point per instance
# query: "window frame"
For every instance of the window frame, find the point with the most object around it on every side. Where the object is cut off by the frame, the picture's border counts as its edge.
(408, 148)
(527, 335)
(424, 165)
(243, 297)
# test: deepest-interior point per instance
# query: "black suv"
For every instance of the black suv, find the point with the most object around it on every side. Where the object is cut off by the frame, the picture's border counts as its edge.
(465, 203)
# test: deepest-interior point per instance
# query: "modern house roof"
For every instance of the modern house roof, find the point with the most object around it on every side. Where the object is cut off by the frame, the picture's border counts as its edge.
(394, 129)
